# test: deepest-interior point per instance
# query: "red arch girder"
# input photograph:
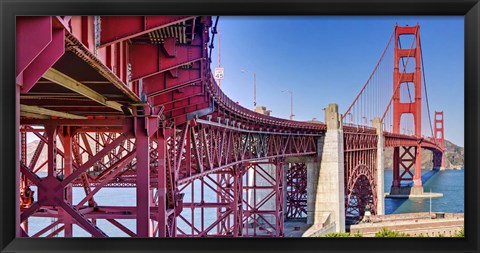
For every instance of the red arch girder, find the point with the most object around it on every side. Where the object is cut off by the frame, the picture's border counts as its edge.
(360, 161)
(361, 191)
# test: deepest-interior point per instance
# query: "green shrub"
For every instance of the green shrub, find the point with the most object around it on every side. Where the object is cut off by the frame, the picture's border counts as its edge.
(357, 234)
(460, 233)
(385, 232)
(340, 234)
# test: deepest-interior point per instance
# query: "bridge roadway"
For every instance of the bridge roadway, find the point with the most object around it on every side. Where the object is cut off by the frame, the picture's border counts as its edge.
(131, 102)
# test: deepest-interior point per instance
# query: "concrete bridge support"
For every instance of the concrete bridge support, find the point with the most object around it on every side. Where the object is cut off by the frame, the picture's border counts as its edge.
(380, 180)
(326, 186)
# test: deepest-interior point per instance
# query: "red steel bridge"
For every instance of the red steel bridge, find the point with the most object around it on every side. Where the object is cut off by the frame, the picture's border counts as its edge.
(130, 102)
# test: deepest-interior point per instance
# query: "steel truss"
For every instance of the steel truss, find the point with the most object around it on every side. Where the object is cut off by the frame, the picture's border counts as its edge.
(110, 157)
(360, 158)
(296, 192)
(172, 159)
(404, 161)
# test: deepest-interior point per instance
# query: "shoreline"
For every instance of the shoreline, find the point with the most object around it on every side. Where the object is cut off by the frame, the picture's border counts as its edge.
(456, 167)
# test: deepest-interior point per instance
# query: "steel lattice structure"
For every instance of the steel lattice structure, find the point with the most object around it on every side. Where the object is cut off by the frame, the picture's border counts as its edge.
(296, 183)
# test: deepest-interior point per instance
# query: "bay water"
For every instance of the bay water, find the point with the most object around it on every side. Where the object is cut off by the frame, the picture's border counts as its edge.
(448, 182)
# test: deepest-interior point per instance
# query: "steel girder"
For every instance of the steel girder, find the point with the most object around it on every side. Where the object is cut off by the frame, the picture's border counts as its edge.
(215, 147)
(40, 43)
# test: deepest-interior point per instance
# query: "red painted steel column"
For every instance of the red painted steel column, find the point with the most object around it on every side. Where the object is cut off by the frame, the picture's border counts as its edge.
(417, 177)
(396, 167)
(51, 149)
(415, 107)
(439, 139)
(162, 186)
(238, 201)
(143, 174)
(279, 198)
(67, 170)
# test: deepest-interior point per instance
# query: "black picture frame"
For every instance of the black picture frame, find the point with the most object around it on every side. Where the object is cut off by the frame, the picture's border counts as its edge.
(470, 9)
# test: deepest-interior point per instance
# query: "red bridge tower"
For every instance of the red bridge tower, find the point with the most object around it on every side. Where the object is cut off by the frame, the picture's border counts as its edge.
(407, 157)
(438, 160)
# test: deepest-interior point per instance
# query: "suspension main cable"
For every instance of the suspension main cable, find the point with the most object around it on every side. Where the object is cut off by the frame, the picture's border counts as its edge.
(425, 86)
(214, 31)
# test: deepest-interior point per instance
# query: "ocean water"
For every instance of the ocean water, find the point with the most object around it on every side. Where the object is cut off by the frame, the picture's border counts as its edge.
(448, 182)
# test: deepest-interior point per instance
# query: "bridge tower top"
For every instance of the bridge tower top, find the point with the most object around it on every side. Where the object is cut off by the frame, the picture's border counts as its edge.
(403, 75)
(439, 130)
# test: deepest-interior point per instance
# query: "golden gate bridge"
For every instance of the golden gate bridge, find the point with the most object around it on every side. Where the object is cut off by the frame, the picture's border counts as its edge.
(131, 102)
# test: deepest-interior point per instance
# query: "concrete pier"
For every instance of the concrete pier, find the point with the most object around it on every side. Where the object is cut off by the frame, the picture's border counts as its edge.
(325, 182)
(380, 180)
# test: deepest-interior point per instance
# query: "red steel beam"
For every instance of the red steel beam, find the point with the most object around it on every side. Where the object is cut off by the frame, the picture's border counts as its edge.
(148, 60)
(120, 28)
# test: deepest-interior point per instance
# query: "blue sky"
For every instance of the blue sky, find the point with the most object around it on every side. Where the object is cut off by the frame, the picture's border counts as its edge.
(328, 59)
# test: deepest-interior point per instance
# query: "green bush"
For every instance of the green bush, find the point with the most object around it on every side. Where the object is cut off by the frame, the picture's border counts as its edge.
(340, 234)
(385, 232)
(460, 233)
(357, 234)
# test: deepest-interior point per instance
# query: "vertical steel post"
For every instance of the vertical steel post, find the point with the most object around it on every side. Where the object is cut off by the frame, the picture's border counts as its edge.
(143, 174)
(396, 167)
(51, 149)
(67, 170)
(238, 201)
(161, 185)
(279, 166)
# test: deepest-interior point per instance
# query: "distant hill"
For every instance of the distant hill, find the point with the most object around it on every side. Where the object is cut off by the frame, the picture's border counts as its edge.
(454, 157)
(32, 146)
